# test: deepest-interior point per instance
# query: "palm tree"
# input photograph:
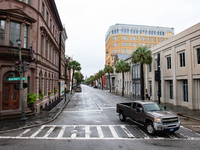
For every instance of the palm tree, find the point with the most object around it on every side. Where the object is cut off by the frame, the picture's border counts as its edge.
(121, 67)
(75, 66)
(108, 69)
(100, 74)
(142, 55)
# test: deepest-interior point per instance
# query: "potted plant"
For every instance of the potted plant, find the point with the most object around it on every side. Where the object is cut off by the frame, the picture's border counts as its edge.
(49, 93)
(41, 94)
(32, 99)
(55, 90)
(67, 91)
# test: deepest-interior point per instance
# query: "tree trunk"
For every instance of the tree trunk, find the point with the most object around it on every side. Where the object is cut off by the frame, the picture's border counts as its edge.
(109, 81)
(122, 83)
(72, 80)
(142, 82)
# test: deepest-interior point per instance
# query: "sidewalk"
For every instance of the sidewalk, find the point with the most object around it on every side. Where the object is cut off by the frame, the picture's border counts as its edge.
(39, 118)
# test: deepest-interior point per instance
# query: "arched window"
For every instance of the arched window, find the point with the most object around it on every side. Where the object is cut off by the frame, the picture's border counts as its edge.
(154, 32)
(112, 31)
(136, 31)
(45, 84)
(131, 31)
(140, 31)
(122, 30)
(163, 33)
(160, 33)
(127, 30)
(145, 31)
(151, 32)
(157, 32)
(117, 31)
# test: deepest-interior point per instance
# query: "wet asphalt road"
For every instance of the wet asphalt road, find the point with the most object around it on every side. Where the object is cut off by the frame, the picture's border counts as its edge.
(90, 122)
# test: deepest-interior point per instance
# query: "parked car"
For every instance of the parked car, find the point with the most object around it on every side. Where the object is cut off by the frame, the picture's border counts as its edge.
(78, 89)
(150, 115)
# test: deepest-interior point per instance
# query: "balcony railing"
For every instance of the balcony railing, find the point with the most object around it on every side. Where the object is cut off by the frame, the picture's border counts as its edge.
(7, 51)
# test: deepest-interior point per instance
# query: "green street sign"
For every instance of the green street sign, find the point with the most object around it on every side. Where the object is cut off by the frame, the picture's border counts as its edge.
(16, 79)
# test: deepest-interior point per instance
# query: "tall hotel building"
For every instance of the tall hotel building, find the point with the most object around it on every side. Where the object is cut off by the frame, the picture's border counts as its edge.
(125, 38)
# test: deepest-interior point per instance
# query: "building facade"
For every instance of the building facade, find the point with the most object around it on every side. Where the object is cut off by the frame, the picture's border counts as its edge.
(125, 38)
(180, 69)
(37, 23)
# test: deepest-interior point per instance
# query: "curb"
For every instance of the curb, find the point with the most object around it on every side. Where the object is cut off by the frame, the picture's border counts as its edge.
(31, 126)
(179, 114)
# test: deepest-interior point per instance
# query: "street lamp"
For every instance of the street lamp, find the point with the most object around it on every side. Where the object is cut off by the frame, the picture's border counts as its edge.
(23, 118)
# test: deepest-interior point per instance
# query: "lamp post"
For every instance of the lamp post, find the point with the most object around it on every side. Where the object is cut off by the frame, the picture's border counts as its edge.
(23, 118)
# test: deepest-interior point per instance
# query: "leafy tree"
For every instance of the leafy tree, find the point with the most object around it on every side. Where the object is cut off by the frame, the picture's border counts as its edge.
(75, 66)
(142, 55)
(100, 74)
(108, 69)
(79, 77)
(122, 67)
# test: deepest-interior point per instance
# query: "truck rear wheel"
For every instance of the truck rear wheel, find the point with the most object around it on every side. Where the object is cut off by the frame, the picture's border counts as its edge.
(149, 128)
(122, 117)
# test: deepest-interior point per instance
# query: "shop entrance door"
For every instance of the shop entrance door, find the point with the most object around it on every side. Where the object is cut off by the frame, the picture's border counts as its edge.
(10, 97)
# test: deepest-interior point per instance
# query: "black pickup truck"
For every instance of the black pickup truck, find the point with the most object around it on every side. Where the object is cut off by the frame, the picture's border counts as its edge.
(150, 115)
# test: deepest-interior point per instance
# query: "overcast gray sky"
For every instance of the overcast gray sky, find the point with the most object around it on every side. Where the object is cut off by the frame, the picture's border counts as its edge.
(87, 21)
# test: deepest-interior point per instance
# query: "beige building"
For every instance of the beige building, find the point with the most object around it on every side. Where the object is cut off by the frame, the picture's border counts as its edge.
(36, 23)
(180, 69)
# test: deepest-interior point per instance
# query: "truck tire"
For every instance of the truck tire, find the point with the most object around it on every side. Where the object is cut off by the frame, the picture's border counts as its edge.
(122, 117)
(149, 128)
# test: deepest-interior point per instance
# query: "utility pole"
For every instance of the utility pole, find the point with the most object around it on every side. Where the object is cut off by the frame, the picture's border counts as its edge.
(23, 118)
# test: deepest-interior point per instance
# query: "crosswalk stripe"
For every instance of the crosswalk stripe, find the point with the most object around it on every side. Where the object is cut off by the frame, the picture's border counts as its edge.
(60, 135)
(113, 132)
(37, 132)
(87, 132)
(100, 133)
(49, 132)
(27, 130)
(73, 136)
(127, 131)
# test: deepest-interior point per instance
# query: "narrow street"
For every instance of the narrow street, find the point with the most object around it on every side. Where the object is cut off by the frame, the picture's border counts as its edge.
(90, 121)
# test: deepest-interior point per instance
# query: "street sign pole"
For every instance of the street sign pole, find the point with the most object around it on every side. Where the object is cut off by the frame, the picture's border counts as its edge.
(23, 118)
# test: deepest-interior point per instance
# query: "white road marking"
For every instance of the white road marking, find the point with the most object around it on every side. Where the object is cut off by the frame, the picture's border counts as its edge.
(49, 132)
(115, 136)
(60, 135)
(27, 130)
(38, 131)
(127, 131)
(114, 133)
(87, 132)
(100, 133)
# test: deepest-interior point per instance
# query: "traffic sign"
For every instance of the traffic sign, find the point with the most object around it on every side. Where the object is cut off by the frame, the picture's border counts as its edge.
(16, 79)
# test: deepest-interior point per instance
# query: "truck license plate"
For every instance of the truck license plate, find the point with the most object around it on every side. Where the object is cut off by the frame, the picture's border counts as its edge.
(171, 129)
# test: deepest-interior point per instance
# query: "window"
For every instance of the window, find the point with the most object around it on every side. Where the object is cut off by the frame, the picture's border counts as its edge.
(47, 17)
(122, 44)
(171, 89)
(150, 87)
(2, 32)
(157, 32)
(28, 2)
(185, 90)
(26, 37)
(198, 56)
(122, 30)
(134, 38)
(42, 9)
(122, 50)
(150, 67)
(49, 52)
(41, 45)
(182, 59)
(122, 37)
(158, 39)
(127, 30)
(127, 43)
(50, 23)
(136, 31)
(127, 37)
(168, 62)
(15, 33)
(46, 49)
